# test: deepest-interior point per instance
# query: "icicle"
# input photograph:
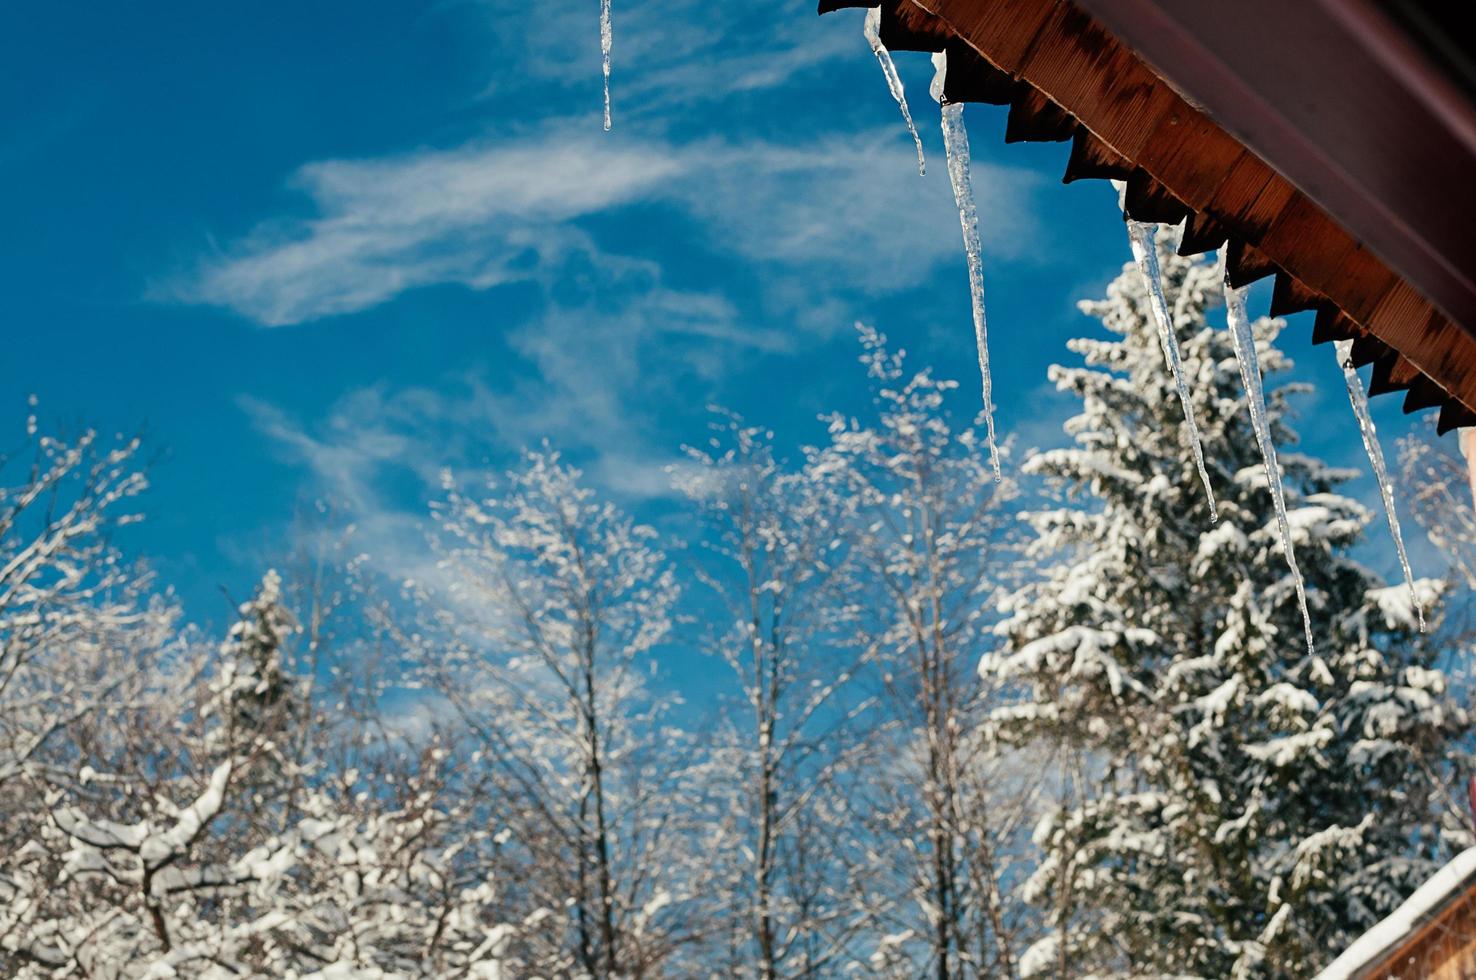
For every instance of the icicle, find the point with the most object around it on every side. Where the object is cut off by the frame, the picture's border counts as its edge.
(956, 142)
(1466, 439)
(1244, 341)
(1146, 255)
(872, 29)
(1359, 400)
(605, 39)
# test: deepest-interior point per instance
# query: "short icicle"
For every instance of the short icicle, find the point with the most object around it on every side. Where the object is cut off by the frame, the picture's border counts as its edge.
(605, 38)
(1244, 340)
(1359, 399)
(872, 29)
(1145, 253)
(956, 142)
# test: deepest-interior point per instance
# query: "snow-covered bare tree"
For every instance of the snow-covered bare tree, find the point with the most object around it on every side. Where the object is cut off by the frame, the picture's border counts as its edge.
(65, 594)
(932, 553)
(77, 633)
(772, 557)
(1242, 806)
(541, 642)
(127, 843)
(156, 855)
(1437, 485)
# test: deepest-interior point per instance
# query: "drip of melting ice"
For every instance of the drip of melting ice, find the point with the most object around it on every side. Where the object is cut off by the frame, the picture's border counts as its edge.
(605, 39)
(1359, 400)
(872, 29)
(1244, 341)
(956, 142)
(1146, 255)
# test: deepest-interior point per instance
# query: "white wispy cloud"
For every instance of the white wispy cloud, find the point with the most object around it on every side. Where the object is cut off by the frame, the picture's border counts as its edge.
(854, 208)
(615, 355)
(669, 55)
(816, 212)
(480, 216)
(847, 212)
(351, 459)
(379, 454)
(600, 383)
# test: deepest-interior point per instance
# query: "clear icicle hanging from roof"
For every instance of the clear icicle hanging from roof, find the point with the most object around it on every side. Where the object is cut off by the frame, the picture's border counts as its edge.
(956, 142)
(1359, 399)
(605, 38)
(1466, 439)
(1243, 338)
(1145, 253)
(872, 29)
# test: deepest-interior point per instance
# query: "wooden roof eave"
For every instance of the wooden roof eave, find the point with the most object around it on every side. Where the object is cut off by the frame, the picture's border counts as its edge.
(1066, 77)
(1354, 109)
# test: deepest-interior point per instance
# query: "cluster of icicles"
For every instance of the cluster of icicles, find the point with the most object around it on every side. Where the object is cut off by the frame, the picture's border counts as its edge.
(1141, 238)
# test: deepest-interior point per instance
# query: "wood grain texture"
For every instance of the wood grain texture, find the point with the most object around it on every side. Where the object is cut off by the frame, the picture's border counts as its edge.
(1444, 948)
(1072, 71)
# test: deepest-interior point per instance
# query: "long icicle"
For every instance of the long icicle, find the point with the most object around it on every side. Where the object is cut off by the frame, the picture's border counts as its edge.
(872, 29)
(1359, 400)
(956, 143)
(605, 38)
(1145, 253)
(1243, 338)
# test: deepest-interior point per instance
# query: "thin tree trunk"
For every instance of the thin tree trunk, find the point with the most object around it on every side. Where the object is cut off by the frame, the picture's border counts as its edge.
(765, 680)
(764, 863)
(602, 835)
(586, 950)
(943, 891)
(936, 679)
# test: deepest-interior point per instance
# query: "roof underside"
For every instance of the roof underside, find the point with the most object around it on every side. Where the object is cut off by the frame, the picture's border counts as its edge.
(1430, 929)
(1065, 77)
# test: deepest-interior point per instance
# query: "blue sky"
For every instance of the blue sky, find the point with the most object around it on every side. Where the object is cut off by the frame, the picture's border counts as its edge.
(324, 250)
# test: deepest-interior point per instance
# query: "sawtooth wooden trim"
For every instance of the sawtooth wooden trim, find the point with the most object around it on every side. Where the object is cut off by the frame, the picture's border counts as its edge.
(1073, 79)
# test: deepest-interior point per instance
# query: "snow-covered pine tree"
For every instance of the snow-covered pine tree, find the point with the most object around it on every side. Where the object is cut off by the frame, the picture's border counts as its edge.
(254, 703)
(253, 686)
(1240, 807)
